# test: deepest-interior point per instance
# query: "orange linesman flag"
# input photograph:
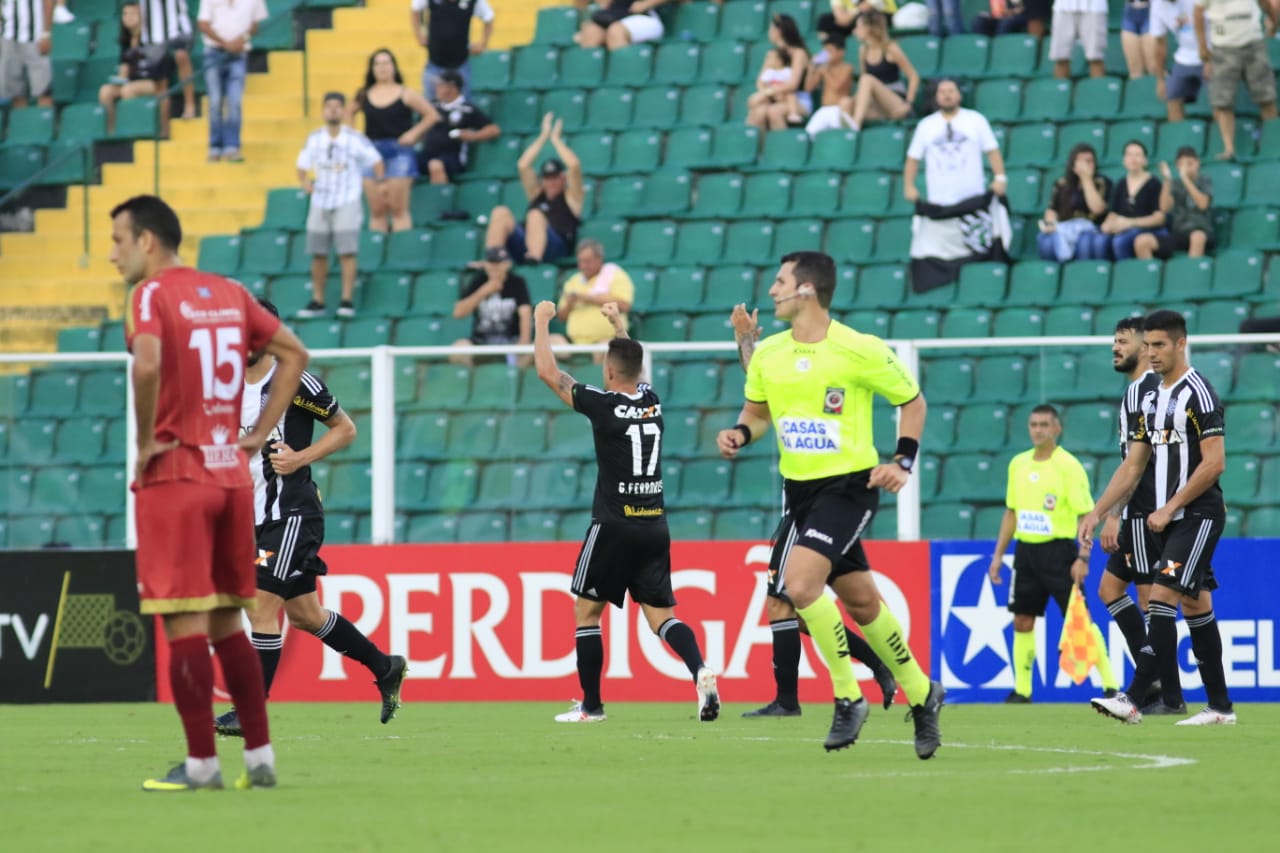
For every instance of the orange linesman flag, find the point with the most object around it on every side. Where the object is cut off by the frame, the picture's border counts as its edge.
(1079, 645)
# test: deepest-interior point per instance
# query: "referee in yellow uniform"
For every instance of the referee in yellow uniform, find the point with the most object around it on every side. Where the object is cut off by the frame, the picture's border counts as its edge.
(1047, 493)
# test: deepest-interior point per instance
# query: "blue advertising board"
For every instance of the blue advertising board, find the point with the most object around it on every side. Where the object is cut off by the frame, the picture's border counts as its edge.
(973, 630)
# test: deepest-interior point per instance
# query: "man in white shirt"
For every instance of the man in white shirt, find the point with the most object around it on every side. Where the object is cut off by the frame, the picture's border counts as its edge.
(952, 142)
(25, 67)
(1180, 83)
(227, 26)
(1239, 52)
(1078, 20)
(337, 155)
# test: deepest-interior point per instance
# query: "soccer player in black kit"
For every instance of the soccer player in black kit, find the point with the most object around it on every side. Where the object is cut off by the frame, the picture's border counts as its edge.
(628, 547)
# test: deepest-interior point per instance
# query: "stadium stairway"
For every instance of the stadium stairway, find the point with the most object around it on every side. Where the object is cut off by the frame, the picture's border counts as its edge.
(48, 272)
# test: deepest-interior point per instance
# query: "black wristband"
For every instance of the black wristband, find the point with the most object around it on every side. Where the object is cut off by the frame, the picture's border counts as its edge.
(746, 433)
(907, 447)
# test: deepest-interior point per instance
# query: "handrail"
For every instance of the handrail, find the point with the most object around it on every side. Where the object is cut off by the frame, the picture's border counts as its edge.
(82, 149)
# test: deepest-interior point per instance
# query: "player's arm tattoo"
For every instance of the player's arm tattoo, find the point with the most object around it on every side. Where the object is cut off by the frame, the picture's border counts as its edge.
(1117, 510)
(746, 349)
(565, 383)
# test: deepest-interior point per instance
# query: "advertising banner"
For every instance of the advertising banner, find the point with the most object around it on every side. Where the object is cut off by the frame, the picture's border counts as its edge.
(70, 630)
(974, 630)
(495, 622)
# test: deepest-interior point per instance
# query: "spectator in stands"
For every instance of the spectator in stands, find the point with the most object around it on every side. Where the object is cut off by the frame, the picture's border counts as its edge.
(556, 195)
(389, 109)
(1006, 16)
(836, 78)
(447, 146)
(882, 94)
(25, 68)
(952, 142)
(1139, 50)
(1187, 202)
(946, 17)
(443, 27)
(1084, 21)
(167, 23)
(227, 27)
(594, 285)
(1038, 14)
(143, 68)
(778, 100)
(844, 14)
(329, 168)
(618, 23)
(497, 301)
(1183, 81)
(1078, 204)
(1239, 52)
(1135, 208)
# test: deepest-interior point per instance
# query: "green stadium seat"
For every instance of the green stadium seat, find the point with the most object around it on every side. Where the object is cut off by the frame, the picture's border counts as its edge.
(482, 527)
(80, 531)
(743, 524)
(1000, 100)
(102, 488)
(967, 323)
(137, 118)
(1000, 378)
(621, 196)
(367, 332)
(82, 123)
(555, 485)
(1026, 192)
(947, 379)
(965, 54)
(698, 22)
(796, 234)
(866, 195)
(70, 42)
(1069, 320)
(1032, 283)
(494, 385)
(386, 294)
(423, 436)
(972, 477)
(30, 532)
(1136, 281)
(1121, 133)
(678, 289)
(783, 149)
(925, 53)
(665, 327)
(1228, 183)
(538, 526)
(54, 392)
(834, 151)
(1239, 481)
(79, 339)
(690, 524)
(1097, 97)
(1046, 99)
(676, 64)
(816, 194)
(428, 201)
(435, 293)
(1093, 133)
(264, 252)
(610, 109)
(1086, 282)
(981, 426)
(1174, 135)
(750, 242)
(453, 485)
(473, 435)
(503, 485)
(1014, 54)
(569, 105)
(30, 126)
(689, 148)
(524, 434)
(651, 242)
(893, 240)
(1032, 144)
(536, 67)
(102, 392)
(850, 240)
(1140, 100)
(15, 490)
(113, 449)
(724, 63)
(496, 159)
(1252, 427)
(1092, 426)
(947, 521)
(1237, 273)
(454, 248)
(556, 25)
(916, 323)
(582, 67)
(698, 242)
(705, 483)
(1258, 378)
(735, 145)
(1263, 522)
(629, 66)
(1262, 184)
(637, 151)
(55, 487)
(15, 393)
(982, 284)
(412, 480)
(18, 163)
(320, 333)
(882, 286)
(31, 440)
(1256, 229)
(656, 108)
(611, 233)
(219, 255)
(286, 210)
(433, 527)
(666, 192)
(882, 147)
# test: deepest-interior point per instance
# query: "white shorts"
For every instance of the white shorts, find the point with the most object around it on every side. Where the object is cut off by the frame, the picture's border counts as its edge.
(828, 118)
(643, 27)
(335, 230)
(1090, 28)
(23, 70)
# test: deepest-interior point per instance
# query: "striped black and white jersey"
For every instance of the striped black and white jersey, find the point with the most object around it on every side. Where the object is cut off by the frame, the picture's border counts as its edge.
(337, 163)
(276, 497)
(1174, 421)
(165, 20)
(628, 440)
(1143, 500)
(23, 20)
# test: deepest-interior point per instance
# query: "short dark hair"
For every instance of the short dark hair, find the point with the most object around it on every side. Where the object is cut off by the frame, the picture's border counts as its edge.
(1137, 142)
(627, 357)
(269, 306)
(838, 39)
(1130, 324)
(817, 268)
(334, 96)
(1170, 322)
(150, 213)
(1046, 409)
(1186, 151)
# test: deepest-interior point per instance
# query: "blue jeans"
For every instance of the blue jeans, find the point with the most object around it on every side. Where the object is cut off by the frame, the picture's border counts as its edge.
(946, 12)
(224, 78)
(1094, 245)
(1122, 243)
(433, 71)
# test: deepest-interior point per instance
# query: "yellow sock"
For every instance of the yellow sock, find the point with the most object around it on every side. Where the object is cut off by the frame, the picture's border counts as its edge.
(1104, 663)
(1024, 658)
(884, 634)
(826, 627)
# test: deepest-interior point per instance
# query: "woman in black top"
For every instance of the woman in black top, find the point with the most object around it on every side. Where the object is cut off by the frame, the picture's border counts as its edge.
(1135, 204)
(888, 82)
(143, 68)
(395, 118)
(1077, 205)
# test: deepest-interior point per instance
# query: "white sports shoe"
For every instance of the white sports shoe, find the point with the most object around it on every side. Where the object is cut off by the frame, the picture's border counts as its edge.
(708, 696)
(62, 15)
(577, 714)
(1117, 706)
(1210, 717)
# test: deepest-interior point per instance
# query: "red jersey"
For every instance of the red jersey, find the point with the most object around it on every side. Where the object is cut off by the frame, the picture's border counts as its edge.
(206, 325)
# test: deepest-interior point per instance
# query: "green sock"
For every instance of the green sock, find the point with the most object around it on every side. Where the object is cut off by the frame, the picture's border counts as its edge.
(826, 627)
(885, 636)
(1104, 663)
(1024, 657)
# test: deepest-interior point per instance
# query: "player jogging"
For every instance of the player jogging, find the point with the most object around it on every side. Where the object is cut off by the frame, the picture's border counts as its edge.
(1176, 419)
(189, 333)
(814, 383)
(290, 529)
(628, 547)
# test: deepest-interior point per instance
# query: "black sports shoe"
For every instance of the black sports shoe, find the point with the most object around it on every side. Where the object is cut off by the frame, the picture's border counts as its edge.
(773, 709)
(389, 686)
(925, 715)
(846, 723)
(1016, 698)
(1158, 707)
(1155, 693)
(347, 309)
(311, 310)
(888, 686)
(228, 724)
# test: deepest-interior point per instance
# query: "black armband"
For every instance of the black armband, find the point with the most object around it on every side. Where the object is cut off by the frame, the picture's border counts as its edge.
(907, 447)
(746, 433)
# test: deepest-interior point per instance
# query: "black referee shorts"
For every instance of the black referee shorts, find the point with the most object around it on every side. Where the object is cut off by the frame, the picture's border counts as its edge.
(1133, 560)
(289, 555)
(1186, 551)
(828, 516)
(621, 557)
(1041, 570)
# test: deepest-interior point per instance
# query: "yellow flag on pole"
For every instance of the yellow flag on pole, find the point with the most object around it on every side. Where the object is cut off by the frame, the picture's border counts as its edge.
(1079, 647)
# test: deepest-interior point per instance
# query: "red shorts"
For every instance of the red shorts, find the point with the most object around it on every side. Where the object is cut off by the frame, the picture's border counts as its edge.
(195, 547)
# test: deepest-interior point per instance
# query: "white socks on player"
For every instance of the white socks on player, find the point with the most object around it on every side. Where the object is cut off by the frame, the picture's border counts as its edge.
(201, 770)
(258, 757)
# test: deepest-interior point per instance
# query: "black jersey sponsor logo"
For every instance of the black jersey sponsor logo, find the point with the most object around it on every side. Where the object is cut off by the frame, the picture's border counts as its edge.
(642, 511)
(833, 402)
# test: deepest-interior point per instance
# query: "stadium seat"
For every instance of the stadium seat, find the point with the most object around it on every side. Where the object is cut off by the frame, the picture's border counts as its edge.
(1239, 481)
(629, 66)
(882, 147)
(1121, 133)
(610, 109)
(1032, 144)
(1026, 193)
(1093, 426)
(1135, 281)
(556, 25)
(1252, 426)
(265, 253)
(982, 284)
(30, 126)
(1093, 133)
(1097, 97)
(1015, 55)
(750, 241)
(1046, 99)
(865, 195)
(1256, 228)
(1260, 523)
(54, 392)
(582, 67)
(18, 163)
(78, 338)
(881, 286)
(1175, 135)
(816, 194)
(924, 51)
(947, 379)
(433, 527)
(137, 118)
(965, 54)
(1258, 378)
(967, 323)
(972, 477)
(31, 440)
(920, 323)
(947, 521)
(556, 485)
(743, 524)
(795, 234)
(1000, 378)
(30, 532)
(55, 488)
(1000, 100)
(893, 241)
(1237, 273)
(219, 255)
(102, 488)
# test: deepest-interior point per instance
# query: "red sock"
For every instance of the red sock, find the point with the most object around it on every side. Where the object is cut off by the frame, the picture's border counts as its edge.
(243, 672)
(191, 678)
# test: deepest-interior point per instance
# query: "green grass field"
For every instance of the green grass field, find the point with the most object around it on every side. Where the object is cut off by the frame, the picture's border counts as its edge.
(446, 777)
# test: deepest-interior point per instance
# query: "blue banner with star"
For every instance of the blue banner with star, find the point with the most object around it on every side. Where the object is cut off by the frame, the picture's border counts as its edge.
(972, 628)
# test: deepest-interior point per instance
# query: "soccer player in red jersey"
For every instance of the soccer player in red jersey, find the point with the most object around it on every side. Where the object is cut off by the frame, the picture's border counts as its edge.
(190, 333)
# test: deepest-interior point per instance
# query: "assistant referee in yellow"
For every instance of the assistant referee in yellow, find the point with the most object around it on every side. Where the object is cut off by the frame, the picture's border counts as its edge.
(1047, 494)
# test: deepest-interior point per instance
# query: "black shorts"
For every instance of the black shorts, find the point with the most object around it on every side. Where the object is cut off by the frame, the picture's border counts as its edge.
(619, 557)
(827, 516)
(1039, 10)
(1041, 570)
(449, 159)
(289, 555)
(1185, 557)
(1133, 560)
(1176, 241)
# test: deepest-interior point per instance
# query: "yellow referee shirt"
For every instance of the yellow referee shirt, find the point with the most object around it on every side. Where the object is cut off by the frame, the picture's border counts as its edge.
(1047, 498)
(819, 397)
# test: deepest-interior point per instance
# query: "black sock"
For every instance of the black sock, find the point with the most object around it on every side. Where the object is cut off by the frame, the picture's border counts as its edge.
(680, 638)
(1206, 642)
(341, 636)
(1162, 644)
(269, 647)
(1129, 618)
(590, 646)
(859, 649)
(786, 661)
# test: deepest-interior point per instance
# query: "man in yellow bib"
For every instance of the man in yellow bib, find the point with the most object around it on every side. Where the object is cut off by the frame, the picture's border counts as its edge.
(1047, 494)
(814, 383)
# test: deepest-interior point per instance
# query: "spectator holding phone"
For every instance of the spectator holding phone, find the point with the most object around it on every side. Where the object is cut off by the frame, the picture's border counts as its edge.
(143, 69)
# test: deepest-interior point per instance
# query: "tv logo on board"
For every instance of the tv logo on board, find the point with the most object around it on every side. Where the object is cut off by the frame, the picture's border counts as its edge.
(975, 624)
